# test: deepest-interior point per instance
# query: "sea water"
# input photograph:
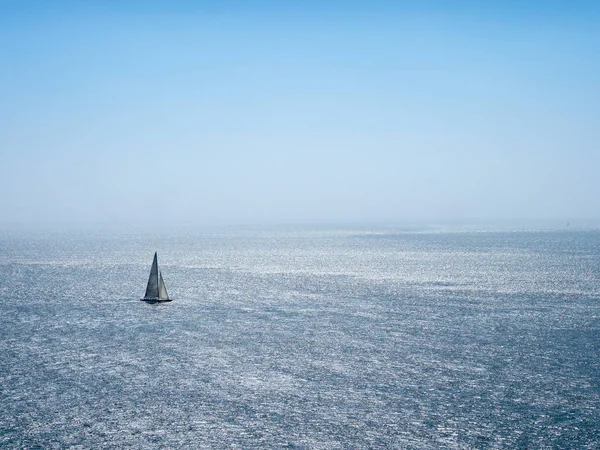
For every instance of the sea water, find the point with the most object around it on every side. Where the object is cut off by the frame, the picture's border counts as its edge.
(301, 338)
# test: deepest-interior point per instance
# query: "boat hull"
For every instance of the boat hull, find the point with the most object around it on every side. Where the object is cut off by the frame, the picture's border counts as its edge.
(155, 300)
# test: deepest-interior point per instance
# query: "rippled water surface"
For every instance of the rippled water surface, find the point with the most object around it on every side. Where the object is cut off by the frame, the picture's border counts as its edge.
(315, 338)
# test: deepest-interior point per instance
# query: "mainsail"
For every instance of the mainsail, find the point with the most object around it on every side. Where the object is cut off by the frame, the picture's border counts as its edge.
(152, 289)
(156, 290)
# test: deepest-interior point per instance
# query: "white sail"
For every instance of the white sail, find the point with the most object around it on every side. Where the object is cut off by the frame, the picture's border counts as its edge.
(162, 289)
(152, 288)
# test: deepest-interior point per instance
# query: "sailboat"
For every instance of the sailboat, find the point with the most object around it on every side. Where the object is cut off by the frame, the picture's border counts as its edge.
(156, 290)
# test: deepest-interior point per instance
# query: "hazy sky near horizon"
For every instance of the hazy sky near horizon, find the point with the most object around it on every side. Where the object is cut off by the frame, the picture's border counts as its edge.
(265, 111)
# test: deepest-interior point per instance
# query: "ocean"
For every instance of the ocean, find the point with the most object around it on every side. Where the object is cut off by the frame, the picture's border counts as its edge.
(304, 338)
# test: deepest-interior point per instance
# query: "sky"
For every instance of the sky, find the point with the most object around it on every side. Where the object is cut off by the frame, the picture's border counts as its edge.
(298, 112)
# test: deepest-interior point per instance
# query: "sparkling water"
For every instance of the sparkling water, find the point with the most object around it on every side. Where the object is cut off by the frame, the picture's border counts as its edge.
(301, 338)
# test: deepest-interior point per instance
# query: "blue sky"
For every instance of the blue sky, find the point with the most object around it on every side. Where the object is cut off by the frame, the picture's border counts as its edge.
(246, 112)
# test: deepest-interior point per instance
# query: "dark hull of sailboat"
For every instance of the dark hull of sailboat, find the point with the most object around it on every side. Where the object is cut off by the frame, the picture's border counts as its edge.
(155, 300)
